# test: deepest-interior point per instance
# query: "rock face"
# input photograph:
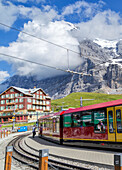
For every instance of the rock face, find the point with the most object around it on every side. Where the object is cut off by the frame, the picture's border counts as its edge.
(119, 48)
(102, 68)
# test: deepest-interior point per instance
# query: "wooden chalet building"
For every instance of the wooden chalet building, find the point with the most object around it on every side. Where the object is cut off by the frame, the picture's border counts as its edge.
(23, 104)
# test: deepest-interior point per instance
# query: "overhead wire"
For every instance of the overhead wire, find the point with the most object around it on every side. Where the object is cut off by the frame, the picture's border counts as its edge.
(33, 62)
(18, 30)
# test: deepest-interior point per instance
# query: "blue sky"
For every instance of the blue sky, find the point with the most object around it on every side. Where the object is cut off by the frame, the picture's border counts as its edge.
(59, 21)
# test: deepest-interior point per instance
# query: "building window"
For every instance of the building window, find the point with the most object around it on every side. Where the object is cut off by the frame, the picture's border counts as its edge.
(7, 107)
(28, 106)
(2, 101)
(33, 100)
(33, 107)
(20, 106)
(47, 102)
(7, 101)
(37, 107)
(40, 92)
(12, 95)
(2, 107)
(40, 107)
(3, 96)
(37, 96)
(16, 100)
(34, 96)
(11, 90)
(21, 94)
(29, 100)
(44, 97)
(37, 92)
(43, 108)
(44, 102)
(12, 101)
(48, 108)
(16, 94)
(16, 106)
(7, 95)
(20, 100)
(40, 97)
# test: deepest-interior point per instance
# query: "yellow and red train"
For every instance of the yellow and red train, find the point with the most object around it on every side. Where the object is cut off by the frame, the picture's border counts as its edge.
(93, 125)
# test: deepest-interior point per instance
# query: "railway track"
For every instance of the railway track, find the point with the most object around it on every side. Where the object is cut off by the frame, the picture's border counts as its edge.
(30, 156)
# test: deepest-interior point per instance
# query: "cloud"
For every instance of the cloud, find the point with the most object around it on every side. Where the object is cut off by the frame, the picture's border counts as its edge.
(25, 1)
(8, 14)
(3, 76)
(83, 9)
(46, 23)
(29, 48)
(104, 25)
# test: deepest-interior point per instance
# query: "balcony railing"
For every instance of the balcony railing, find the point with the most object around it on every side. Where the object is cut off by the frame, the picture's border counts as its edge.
(10, 110)
(41, 104)
(10, 103)
(31, 109)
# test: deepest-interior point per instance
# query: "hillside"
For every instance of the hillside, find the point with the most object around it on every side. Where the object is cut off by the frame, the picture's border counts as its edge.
(73, 100)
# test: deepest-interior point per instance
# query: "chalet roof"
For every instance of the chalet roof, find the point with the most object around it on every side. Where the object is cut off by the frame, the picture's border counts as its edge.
(25, 91)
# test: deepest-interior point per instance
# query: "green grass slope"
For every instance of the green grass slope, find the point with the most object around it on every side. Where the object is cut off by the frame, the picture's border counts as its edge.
(73, 100)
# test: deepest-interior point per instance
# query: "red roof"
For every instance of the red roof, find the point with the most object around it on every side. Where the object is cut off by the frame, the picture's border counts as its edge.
(51, 115)
(95, 106)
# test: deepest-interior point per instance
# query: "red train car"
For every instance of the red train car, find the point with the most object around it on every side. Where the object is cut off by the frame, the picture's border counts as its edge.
(89, 125)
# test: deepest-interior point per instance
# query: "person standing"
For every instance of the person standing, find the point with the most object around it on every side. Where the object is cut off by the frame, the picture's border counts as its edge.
(41, 129)
(34, 131)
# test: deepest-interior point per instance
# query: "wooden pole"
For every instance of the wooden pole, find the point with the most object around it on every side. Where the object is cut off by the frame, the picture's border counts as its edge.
(1, 133)
(43, 159)
(4, 133)
(8, 158)
(118, 162)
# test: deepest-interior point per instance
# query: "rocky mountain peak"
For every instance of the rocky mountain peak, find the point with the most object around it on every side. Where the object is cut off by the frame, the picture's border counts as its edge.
(103, 62)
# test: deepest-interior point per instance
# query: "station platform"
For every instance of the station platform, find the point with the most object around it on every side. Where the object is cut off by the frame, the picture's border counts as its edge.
(3, 144)
(81, 154)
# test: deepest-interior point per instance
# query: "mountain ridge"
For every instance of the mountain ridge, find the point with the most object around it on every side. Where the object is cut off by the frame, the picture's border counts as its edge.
(102, 63)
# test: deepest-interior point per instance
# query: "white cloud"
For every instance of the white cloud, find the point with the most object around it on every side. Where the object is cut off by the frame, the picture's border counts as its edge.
(8, 14)
(47, 24)
(42, 52)
(3, 76)
(104, 25)
(25, 1)
(82, 8)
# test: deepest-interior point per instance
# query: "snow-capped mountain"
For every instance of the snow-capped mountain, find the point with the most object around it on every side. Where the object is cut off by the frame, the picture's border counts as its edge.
(106, 43)
(101, 61)
(114, 46)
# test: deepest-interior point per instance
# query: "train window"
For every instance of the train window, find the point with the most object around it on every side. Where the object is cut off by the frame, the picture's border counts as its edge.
(110, 114)
(119, 121)
(76, 120)
(99, 121)
(67, 120)
(86, 118)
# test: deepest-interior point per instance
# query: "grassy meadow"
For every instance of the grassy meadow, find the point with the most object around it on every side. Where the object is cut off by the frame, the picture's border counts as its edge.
(73, 100)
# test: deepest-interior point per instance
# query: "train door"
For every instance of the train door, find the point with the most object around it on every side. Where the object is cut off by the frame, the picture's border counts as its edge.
(111, 124)
(114, 123)
(118, 121)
